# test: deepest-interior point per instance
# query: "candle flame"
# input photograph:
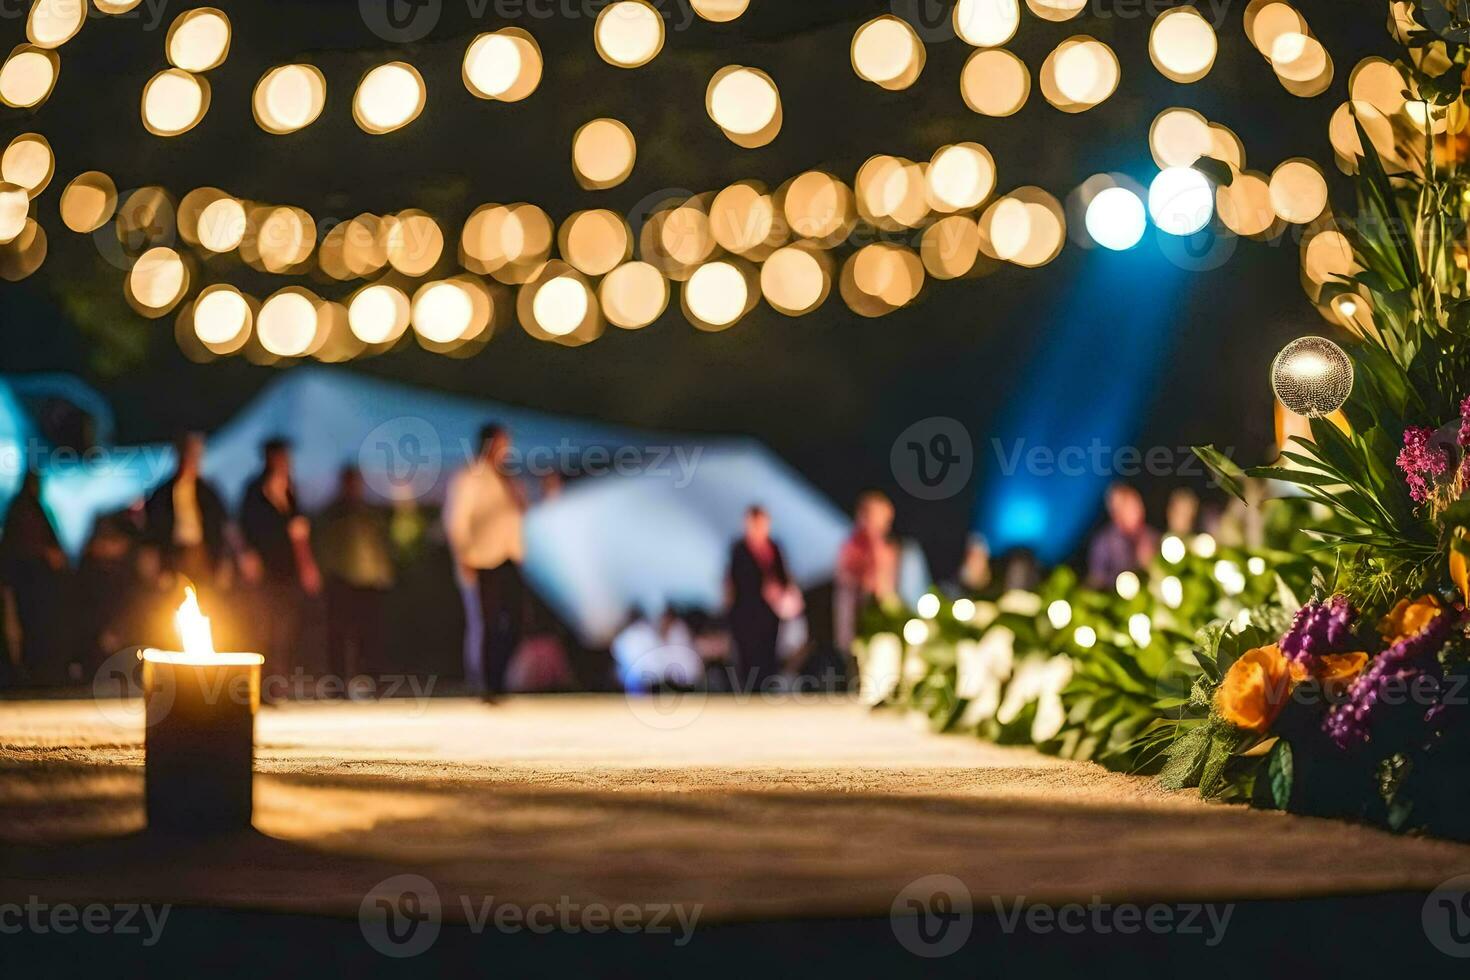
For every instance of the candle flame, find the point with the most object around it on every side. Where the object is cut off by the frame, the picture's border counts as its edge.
(193, 626)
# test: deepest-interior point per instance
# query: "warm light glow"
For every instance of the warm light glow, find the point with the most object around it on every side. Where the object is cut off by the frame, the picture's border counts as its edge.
(158, 280)
(388, 98)
(1085, 637)
(28, 76)
(505, 66)
(378, 314)
(717, 294)
(887, 52)
(1059, 613)
(54, 22)
(743, 101)
(1179, 137)
(1298, 191)
(794, 281)
(1182, 45)
(15, 206)
(629, 33)
(916, 632)
(995, 82)
(1171, 590)
(221, 315)
(443, 312)
(561, 305)
(222, 225)
(964, 610)
(1172, 549)
(193, 626)
(198, 641)
(1140, 629)
(603, 154)
(199, 40)
(1127, 586)
(287, 323)
(174, 102)
(634, 295)
(289, 98)
(720, 11)
(1079, 74)
(1204, 545)
(415, 243)
(1116, 219)
(595, 242)
(928, 605)
(28, 163)
(88, 202)
(987, 23)
(960, 177)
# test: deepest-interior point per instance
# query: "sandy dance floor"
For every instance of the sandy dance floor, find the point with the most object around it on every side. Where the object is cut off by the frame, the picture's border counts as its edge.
(752, 809)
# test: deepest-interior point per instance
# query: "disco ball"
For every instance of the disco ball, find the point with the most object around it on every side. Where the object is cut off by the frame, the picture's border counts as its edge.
(1312, 376)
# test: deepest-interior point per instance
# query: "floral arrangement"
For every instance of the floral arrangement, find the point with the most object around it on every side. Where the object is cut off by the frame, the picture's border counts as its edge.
(1082, 673)
(1358, 708)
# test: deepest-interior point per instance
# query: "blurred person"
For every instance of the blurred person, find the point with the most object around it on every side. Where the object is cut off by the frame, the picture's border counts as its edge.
(1181, 513)
(356, 556)
(105, 583)
(33, 570)
(185, 519)
(277, 555)
(761, 597)
(975, 574)
(867, 567)
(1126, 543)
(651, 656)
(1020, 571)
(482, 519)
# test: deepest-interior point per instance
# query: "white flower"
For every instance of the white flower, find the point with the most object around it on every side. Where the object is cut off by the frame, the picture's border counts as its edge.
(1020, 603)
(879, 663)
(1037, 679)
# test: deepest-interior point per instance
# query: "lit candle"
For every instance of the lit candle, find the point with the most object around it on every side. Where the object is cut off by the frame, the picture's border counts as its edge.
(200, 744)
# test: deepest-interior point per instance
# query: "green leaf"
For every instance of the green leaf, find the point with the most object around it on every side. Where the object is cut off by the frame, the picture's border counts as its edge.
(1186, 759)
(1280, 774)
(1231, 478)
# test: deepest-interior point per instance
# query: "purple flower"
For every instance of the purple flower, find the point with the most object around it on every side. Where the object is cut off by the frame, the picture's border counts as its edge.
(1421, 462)
(1350, 723)
(1464, 437)
(1320, 628)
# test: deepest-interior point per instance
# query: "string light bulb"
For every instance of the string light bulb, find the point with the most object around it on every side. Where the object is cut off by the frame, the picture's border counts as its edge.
(1312, 376)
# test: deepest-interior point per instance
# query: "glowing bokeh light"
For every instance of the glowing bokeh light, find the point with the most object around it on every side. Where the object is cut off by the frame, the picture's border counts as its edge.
(388, 98)
(1181, 200)
(1116, 219)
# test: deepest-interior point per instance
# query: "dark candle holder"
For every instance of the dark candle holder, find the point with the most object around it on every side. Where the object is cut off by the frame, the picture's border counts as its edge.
(200, 742)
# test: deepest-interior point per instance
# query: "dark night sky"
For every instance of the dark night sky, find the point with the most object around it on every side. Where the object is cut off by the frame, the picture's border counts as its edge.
(829, 391)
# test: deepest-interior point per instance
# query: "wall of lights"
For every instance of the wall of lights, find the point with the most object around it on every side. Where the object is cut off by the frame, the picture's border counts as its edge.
(369, 282)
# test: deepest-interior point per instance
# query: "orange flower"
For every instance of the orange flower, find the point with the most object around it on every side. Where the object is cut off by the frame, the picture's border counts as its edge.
(1255, 688)
(1408, 618)
(1338, 671)
(1460, 573)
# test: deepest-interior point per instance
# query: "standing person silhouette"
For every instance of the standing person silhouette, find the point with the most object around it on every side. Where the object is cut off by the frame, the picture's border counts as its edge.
(482, 519)
(278, 556)
(761, 596)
